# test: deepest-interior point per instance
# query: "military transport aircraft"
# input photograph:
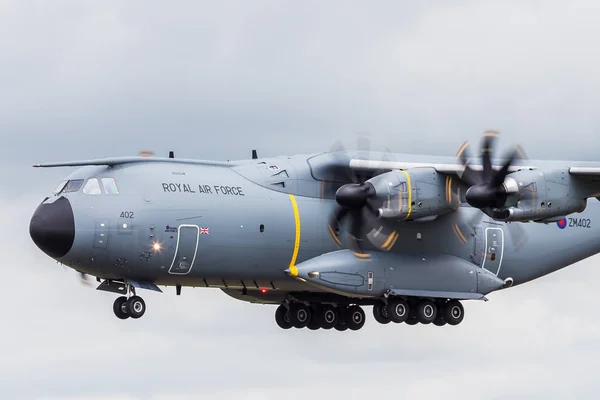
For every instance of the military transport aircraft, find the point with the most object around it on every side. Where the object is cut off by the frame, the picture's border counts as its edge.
(323, 235)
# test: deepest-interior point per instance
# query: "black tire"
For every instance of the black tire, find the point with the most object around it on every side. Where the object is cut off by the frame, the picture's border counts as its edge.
(439, 321)
(300, 315)
(120, 307)
(328, 316)
(398, 310)
(380, 313)
(426, 311)
(136, 307)
(412, 321)
(342, 317)
(356, 318)
(282, 317)
(313, 325)
(454, 312)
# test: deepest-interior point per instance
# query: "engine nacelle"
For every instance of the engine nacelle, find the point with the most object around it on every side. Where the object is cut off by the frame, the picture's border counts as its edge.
(534, 195)
(414, 194)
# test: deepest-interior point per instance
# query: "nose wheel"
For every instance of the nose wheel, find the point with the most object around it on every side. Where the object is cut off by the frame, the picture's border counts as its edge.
(132, 307)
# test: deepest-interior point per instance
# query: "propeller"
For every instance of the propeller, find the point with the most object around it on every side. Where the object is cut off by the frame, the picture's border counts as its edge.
(486, 189)
(356, 202)
(84, 279)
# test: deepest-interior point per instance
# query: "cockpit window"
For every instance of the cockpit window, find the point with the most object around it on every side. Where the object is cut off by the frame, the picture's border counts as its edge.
(73, 185)
(60, 187)
(92, 187)
(110, 186)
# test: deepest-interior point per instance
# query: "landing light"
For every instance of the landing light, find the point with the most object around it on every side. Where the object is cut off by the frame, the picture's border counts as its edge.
(156, 246)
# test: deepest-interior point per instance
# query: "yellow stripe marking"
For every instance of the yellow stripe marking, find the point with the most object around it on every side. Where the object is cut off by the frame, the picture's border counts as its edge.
(394, 242)
(409, 194)
(293, 268)
(387, 246)
(462, 149)
(490, 134)
(450, 191)
(333, 235)
(388, 241)
(461, 237)
(362, 255)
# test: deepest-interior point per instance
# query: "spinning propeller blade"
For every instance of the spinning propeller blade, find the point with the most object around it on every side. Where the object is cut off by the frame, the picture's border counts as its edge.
(357, 202)
(486, 186)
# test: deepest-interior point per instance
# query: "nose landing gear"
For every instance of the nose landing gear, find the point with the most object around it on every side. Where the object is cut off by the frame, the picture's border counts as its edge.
(133, 307)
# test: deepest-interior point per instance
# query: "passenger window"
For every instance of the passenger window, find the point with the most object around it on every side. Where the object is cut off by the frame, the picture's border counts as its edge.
(92, 187)
(110, 186)
(73, 185)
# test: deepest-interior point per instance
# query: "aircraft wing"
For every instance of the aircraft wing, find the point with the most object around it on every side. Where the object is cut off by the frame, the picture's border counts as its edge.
(130, 160)
(443, 168)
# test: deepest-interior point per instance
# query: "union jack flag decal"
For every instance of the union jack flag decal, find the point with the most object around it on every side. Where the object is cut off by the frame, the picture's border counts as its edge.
(204, 231)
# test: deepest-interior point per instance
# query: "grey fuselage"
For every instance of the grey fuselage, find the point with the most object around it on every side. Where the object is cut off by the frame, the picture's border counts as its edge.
(246, 224)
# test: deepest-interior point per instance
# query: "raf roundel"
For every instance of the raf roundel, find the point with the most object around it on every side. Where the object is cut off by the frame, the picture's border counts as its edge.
(562, 224)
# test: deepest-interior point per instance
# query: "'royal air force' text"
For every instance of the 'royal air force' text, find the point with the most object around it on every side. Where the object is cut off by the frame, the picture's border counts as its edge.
(204, 189)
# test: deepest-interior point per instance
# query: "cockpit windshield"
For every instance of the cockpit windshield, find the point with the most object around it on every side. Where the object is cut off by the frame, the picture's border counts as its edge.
(68, 186)
(60, 187)
(110, 186)
(92, 186)
(73, 185)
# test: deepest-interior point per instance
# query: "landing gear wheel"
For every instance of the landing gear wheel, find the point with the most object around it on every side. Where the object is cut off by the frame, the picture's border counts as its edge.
(299, 315)
(439, 320)
(398, 310)
(454, 312)
(327, 316)
(412, 321)
(355, 318)
(313, 325)
(136, 307)
(120, 307)
(342, 318)
(380, 313)
(282, 317)
(426, 311)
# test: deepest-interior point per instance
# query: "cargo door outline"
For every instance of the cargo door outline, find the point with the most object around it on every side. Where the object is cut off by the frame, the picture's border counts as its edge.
(494, 249)
(181, 251)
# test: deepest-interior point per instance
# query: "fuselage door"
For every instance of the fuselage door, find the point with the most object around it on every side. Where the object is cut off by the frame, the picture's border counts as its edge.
(185, 252)
(493, 250)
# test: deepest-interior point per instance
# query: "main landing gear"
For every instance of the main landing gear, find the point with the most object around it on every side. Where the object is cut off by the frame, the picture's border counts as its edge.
(125, 306)
(411, 311)
(415, 311)
(320, 316)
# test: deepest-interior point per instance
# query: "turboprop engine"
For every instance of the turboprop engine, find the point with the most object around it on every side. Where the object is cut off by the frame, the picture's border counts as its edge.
(525, 195)
(379, 273)
(533, 195)
(412, 194)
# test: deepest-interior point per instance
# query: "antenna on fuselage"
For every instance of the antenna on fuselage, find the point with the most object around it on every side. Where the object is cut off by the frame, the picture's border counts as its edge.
(171, 154)
(254, 155)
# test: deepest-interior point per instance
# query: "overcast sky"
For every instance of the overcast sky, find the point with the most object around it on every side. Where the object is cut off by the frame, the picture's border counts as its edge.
(213, 80)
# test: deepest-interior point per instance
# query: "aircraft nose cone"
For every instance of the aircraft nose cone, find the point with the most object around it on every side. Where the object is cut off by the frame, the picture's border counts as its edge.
(52, 228)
